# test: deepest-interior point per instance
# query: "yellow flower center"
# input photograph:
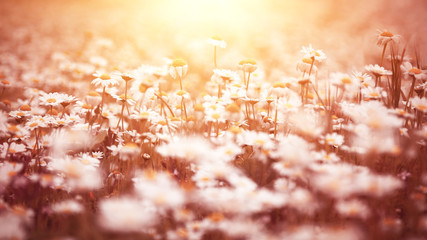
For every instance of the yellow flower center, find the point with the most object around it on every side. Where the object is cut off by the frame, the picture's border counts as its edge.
(315, 53)
(216, 37)
(235, 130)
(162, 122)
(144, 115)
(415, 71)
(85, 161)
(386, 34)
(131, 145)
(346, 80)
(279, 85)
(5, 82)
(34, 124)
(181, 93)
(178, 62)
(93, 94)
(233, 107)
(105, 76)
(247, 61)
(13, 128)
(421, 107)
(374, 94)
(25, 107)
(127, 78)
(51, 100)
(216, 217)
(87, 106)
(307, 60)
(216, 116)
(199, 107)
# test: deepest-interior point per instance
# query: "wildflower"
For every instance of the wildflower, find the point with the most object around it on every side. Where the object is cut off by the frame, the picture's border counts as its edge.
(89, 161)
(333, 139)
(419, 103)
(305, 65)
(126, 215)
(353, 208)
(248, 65)
(384, 37)
(410, 70)
(36, 122)
(8, 170)
(129, 151)
(377, 70)
(122, 98)
(159, 189)
(310, 53)
(93, 98)
(51, 99)
(217, 41)
(178, 68)
(105, 80)
(67, 207)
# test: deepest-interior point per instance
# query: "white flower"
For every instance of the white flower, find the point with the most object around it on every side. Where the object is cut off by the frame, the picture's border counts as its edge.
(105, 80)
(217, 41)
(310, 52)
(126, 215)
(67, 207)
(385, 37)
(178, 67)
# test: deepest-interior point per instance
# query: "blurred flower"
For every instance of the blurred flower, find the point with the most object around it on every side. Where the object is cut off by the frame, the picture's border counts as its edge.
(67, 207)
(419, 103)
(385, 37)
(178, 67)
(377, 70)
(217, 41)
(126, 215)
(248, 65)
(410, 70)
(311, 53)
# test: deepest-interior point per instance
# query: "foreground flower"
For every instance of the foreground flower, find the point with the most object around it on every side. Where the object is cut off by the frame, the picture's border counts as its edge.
(105, 80)
(385, 37)
(178, 68)
(316, 55)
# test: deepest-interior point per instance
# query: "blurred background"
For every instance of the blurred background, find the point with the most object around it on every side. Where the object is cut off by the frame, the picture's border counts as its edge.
(272, 32)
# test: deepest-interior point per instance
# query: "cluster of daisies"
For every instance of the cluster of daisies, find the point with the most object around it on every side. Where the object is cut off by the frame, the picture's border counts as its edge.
(138, 152)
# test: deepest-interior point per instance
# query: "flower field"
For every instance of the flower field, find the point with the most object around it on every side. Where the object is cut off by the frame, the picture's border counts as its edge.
(213, 120)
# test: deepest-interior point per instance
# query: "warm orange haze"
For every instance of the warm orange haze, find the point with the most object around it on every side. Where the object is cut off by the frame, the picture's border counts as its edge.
(213, 119)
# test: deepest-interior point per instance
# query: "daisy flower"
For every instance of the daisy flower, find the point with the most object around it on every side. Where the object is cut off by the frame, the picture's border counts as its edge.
(67, 207)
(105, 79)
(51, 99)
(353, 208)
(310, 52)
(93, 98)
(305, 64)
(419, 103)
(37, 122)
(11, 148)
(377, 70)
(217, 41)
(248, 65)
(410, 70)
(178, 68)
(385, 37)
(8, 170)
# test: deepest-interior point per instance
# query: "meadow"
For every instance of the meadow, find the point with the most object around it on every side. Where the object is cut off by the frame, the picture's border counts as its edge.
(213, 120)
